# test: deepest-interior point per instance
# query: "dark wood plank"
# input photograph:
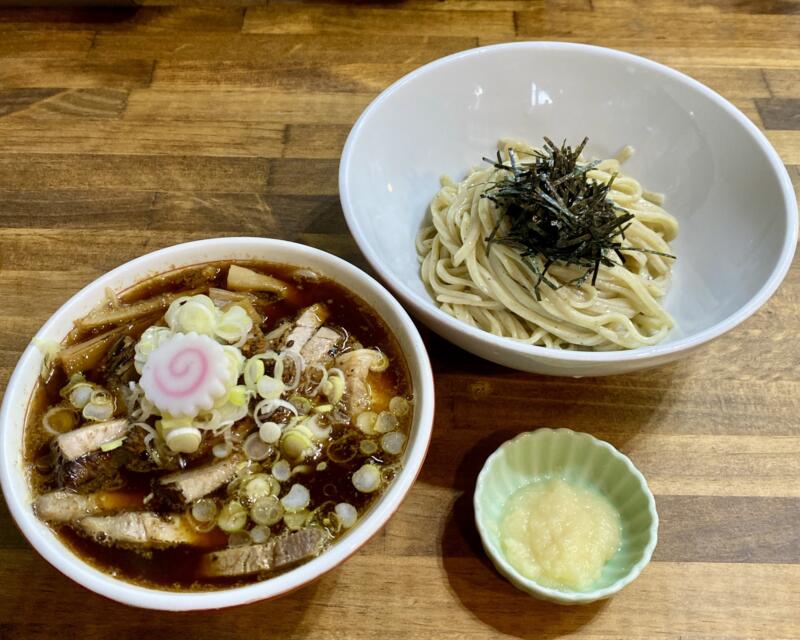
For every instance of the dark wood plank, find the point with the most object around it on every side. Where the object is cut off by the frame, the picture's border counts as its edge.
(41, 44)
(780, 113)
(728, 529)
(322, 19)
(64, 18)
(12, 100)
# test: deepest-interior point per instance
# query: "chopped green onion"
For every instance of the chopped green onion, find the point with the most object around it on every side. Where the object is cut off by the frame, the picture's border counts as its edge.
(367, 479)
(260, 534)
(204, 510)
(237, 396)
(253, 372)
(222, 449)
(114, 444)
(296, 443)
(80, 395)
(183, 439)
(297, 499)
(233, 517)
(59, 420)
(368, 447)
(385, 422)
(392, 442)
(334, 387)
(295, 521)
(255, 448)
(258, 487)
(267, 511)
(301, 403)
(281, 470)
(98, 412)
(346, 513)
(270, 432)
(366, 421)
(398, 406)
(270, 388)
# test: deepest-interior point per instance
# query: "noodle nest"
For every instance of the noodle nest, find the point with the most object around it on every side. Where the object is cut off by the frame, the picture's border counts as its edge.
(492, 288)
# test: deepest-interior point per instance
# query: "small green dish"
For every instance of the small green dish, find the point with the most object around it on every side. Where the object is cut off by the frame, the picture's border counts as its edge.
(580, 459)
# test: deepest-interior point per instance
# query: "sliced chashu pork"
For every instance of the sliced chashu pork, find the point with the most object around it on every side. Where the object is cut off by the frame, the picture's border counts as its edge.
(148, 530)
(308, 321)
(355, 366)
(82, 465)
(180, 488)
(260, 558)
(321, 347)
(66, 506)
(83, 440)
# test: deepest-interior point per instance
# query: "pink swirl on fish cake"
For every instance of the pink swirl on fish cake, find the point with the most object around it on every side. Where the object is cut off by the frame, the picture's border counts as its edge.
(185, 374)
(187, 370)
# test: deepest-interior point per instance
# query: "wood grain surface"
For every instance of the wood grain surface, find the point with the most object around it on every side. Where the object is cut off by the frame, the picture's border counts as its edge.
(126, 130)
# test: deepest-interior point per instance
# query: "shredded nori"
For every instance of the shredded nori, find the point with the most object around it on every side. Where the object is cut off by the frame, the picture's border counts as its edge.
(557, 213)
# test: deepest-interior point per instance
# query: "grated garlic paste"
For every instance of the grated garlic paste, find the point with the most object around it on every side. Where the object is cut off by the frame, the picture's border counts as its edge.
(558, 534)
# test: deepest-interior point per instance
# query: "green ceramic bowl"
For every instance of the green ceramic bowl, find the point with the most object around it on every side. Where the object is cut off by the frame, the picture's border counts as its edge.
(579, 459)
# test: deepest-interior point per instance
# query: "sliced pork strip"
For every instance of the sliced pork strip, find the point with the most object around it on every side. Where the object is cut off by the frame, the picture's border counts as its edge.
(355, 366)
(187, 486)
(78, 442)
(298, 546)
(238, 561)
(260, 558)
(66, 506)
(145, 529)
(93, 471)
(320, 349)
(310, 319)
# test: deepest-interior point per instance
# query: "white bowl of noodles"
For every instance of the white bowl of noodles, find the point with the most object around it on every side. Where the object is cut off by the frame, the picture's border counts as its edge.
(14, 470)
(724, 184)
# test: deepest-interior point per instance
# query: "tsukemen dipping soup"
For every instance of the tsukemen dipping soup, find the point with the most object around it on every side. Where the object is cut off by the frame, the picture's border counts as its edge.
(216, 425)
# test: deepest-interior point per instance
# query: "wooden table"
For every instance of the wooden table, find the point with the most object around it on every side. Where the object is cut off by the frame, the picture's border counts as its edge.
(127, 130)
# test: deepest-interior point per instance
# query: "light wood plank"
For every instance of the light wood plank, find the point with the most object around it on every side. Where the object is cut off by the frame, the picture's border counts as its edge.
(243, 106)
(131, 173)
(84, 135)
(285, 76)
(66, 73)
(627, 26)
(283, 48)
(783, 83)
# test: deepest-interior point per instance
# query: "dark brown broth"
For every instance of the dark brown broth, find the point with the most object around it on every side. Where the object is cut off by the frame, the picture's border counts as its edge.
(176, 568)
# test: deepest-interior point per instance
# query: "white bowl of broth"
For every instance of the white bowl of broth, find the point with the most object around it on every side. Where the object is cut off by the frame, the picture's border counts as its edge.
(123, 549)
(720, 178)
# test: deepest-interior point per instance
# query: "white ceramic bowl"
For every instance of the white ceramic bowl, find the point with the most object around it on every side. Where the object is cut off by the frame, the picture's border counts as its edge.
(583, 460)
(12, 417)
(723, 180)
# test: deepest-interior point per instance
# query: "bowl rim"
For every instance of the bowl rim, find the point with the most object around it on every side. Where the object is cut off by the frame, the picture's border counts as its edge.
(531, 586)
(52, 549)
(430, 312)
